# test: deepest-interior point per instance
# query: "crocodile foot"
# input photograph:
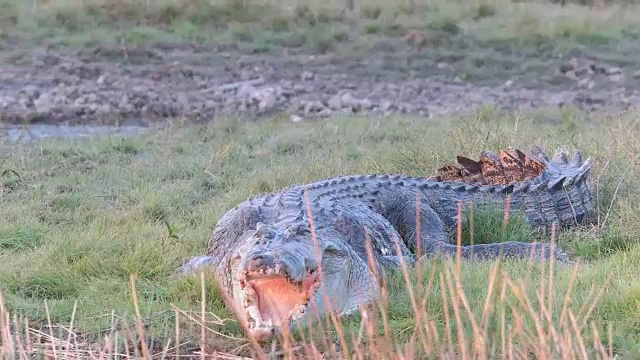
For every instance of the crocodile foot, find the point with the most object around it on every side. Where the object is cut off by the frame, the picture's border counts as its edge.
(195, 263)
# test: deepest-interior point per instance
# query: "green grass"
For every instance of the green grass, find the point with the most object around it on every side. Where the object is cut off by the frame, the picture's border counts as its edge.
(86, 214)
(486, 42)
(264, 26)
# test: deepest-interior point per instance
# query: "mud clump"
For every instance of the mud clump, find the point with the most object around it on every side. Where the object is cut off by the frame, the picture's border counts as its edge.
(54, 86)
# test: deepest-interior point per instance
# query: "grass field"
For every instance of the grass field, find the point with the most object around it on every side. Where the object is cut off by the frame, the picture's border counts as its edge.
(266, 25)
(79, 217)
(481, 41)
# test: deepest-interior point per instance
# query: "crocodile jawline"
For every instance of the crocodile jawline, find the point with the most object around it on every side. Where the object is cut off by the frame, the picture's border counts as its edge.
(272, 299)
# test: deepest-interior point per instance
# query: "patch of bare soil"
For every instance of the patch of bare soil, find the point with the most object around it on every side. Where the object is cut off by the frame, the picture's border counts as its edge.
(158, 82)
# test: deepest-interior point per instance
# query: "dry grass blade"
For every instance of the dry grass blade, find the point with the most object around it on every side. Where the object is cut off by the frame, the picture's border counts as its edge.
(139, 326)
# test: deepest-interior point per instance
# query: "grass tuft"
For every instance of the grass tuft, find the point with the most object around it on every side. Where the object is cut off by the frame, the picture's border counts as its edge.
(20, 238)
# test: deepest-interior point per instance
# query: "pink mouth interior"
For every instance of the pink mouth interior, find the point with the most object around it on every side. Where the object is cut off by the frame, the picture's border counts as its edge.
(276, 296)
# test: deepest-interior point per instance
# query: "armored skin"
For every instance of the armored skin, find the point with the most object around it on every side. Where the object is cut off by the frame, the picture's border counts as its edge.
(286, 257)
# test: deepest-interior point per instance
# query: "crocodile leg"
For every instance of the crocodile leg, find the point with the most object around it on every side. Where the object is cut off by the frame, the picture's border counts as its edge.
(434, 241)
(236, 222)
(194, 264)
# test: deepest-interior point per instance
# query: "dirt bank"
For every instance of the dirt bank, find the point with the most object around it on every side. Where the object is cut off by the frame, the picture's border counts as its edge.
(148, 84)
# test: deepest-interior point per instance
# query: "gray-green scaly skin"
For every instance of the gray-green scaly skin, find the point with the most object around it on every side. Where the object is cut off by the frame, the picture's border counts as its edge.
(272, 231)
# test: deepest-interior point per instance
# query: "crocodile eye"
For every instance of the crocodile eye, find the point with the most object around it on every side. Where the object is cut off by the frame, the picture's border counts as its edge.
(333, 250)
(300, 229)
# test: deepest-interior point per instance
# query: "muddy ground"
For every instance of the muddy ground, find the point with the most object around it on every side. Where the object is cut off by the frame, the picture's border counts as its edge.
(143, 85)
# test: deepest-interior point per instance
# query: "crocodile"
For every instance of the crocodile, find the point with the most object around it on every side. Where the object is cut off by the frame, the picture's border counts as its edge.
(320, 248)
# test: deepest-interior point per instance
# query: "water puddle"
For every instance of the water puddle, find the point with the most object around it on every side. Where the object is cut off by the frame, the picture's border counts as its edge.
(33, 132)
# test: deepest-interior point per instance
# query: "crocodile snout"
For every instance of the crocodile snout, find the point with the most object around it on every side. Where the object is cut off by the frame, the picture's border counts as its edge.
(290, 262)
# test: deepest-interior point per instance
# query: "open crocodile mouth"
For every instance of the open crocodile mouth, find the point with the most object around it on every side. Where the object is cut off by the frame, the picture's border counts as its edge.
(272, 299)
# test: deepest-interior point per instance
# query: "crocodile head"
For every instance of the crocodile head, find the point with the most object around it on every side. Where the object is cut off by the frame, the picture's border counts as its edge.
(280, 279)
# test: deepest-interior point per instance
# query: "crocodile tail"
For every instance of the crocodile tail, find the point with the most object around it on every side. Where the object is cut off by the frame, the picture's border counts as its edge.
(549, 191)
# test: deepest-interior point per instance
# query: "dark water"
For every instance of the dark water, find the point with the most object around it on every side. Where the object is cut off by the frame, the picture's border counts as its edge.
(24, 134)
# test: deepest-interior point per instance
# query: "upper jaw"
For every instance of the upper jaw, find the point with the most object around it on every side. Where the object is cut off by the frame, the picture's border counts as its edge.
(294, 267)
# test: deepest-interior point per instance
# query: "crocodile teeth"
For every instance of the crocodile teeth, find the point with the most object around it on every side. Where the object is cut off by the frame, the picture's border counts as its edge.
(249, 294)
(278, 269)
(249, 297)
(254, 312)
(296, 314)
(249, 291)
(252, 323)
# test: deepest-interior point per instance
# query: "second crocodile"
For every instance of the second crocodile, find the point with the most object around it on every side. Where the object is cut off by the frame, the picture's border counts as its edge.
(318, 247)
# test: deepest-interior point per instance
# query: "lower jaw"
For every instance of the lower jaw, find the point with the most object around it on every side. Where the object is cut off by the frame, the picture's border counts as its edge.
(265, 330)
(265, 333)
(258, 324)
(262, 334)
(269, 327)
